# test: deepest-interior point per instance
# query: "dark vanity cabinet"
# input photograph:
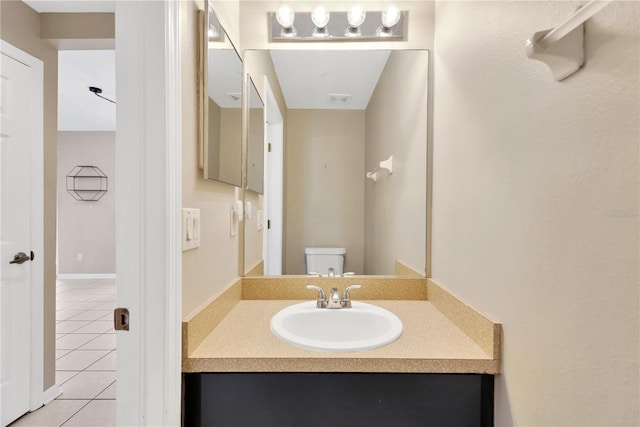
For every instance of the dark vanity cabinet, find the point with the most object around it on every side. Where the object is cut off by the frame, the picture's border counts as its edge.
(337, 400)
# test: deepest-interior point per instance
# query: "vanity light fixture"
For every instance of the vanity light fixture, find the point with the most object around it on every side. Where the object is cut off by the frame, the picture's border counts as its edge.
(320, 18)
(321, 24)
(285, 17)
(355, 17)
(389, 17)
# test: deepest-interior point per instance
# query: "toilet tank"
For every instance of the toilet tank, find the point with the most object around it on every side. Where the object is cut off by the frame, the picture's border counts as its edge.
(319, 260)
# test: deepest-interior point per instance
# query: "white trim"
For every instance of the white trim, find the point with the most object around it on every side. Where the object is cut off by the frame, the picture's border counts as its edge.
(148, 219)
(50, 394)
(37, 220)
(173, 293)
(275, 159)
(86, 276)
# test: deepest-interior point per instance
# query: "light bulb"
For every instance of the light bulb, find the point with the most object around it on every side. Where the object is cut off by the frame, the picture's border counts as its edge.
(320, 17)
(356, 16)
(285, 16)
(212, 33)
(390, 16)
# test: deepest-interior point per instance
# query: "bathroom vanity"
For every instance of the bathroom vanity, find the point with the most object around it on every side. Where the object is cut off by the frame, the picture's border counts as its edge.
(439, 372)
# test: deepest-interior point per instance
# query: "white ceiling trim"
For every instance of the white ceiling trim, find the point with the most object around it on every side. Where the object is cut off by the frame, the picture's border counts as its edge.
(72, 6)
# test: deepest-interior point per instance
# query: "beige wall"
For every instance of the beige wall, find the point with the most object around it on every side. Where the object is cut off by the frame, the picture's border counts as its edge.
(20, 26)
(79, 31)
(255, 145)
(230, 160)
(396, 124)
(86, 227)
(535, 211)
(208, 270)
(258, 64)
(325, 185)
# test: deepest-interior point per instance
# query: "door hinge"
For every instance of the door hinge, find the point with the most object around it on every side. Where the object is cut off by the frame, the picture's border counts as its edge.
(121, 319)
(269, 147)
(268, 224)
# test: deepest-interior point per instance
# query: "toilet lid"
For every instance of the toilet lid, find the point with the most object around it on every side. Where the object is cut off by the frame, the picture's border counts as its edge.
(325, 251)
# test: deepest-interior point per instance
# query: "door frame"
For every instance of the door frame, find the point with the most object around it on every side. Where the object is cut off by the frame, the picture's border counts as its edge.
(273, 241)
(38, 396)
(148, 218)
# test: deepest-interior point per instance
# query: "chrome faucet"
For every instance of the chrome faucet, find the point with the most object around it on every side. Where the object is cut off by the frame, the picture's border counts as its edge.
(334, 300)
(331, 272)
(345, 301)
(322, 301)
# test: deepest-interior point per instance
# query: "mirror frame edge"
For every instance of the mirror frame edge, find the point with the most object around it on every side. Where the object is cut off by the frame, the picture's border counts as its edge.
(203, 107)
(429, 207)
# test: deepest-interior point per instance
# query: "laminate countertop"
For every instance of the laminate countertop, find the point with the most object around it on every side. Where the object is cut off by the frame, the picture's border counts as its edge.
(430, 343)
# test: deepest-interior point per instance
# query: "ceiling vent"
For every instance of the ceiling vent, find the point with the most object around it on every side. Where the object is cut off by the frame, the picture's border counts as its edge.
(339, 98)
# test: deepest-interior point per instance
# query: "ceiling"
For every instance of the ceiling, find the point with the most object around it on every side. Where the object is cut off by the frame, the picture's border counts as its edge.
(328, 79)
(78, 108)
(225, 78)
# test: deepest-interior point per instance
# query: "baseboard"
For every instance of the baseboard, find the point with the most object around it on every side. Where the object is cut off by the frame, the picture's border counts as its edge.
(85, 276)
(50, 394)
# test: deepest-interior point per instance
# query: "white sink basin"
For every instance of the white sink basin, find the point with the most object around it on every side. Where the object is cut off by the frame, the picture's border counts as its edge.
(362, 327)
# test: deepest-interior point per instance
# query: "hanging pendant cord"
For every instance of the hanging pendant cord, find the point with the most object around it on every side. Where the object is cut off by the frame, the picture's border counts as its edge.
(97, 91)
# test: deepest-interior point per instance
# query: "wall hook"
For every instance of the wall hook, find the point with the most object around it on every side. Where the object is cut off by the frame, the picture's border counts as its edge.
(562, 47)
(387, 164)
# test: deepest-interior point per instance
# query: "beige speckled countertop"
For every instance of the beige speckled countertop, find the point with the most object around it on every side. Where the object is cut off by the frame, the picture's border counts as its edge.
(430, 342)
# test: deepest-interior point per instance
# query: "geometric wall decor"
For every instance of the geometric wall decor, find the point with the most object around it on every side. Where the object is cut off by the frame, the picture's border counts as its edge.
(87, 183)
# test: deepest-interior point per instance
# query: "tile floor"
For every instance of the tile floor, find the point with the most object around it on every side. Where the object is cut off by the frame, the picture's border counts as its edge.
(85, 357)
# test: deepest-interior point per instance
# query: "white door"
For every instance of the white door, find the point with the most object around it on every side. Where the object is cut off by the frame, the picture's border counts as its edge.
(273, 185)
(15, 238)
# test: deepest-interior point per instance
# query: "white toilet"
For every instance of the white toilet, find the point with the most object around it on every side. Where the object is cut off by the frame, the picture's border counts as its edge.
(320, 260)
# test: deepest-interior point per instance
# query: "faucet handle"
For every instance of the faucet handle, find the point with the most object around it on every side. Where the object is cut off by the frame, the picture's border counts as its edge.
(322, 301)
(345, 301)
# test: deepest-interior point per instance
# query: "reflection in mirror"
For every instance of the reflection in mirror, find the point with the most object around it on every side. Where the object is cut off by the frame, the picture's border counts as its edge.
(255, 148)
(254, 201)
(347, 112)
(223, 113)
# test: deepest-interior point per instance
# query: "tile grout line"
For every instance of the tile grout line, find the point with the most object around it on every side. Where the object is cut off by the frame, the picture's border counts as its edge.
(86, 369)
(75, 413)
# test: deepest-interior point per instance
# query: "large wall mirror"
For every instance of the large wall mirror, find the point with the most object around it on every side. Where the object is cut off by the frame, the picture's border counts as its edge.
(221, 108)
(348, 111)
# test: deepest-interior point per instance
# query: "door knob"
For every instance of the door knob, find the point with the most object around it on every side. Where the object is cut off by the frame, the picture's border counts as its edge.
(19, 258)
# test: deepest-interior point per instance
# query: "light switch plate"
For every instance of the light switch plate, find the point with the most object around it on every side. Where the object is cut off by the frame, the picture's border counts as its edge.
(260, 217)
(190, 229)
